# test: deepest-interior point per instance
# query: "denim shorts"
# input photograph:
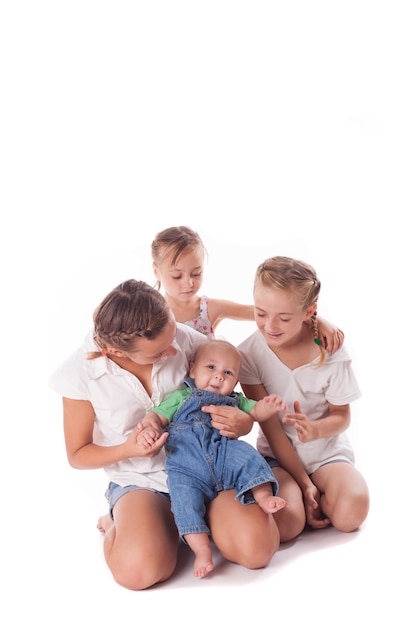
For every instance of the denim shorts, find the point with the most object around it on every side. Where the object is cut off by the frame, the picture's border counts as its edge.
(272, 462)
(114, 492)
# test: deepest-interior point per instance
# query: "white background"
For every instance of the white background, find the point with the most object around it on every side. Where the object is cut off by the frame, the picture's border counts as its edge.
(270, 128)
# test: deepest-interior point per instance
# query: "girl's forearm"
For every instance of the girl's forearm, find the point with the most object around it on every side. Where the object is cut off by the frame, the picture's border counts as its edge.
(93, 456)
(334, 424)
(285, 453)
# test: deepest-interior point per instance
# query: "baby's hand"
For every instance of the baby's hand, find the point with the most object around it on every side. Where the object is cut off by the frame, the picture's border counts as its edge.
(268, 407)
(276, 402)
(148, 436)
(139, 444)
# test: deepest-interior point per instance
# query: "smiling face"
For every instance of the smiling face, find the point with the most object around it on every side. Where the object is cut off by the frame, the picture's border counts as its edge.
(216, 367)
(181, 280)
(279, 316)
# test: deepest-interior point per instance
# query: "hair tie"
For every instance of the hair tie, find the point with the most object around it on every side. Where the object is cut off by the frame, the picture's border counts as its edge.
(103, 352)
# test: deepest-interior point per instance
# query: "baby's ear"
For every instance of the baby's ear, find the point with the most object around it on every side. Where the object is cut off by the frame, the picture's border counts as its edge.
(192, 369)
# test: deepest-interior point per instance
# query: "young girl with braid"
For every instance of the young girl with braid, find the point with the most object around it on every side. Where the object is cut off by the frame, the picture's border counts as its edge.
(132, 358)
(286, 357)
(178, 256)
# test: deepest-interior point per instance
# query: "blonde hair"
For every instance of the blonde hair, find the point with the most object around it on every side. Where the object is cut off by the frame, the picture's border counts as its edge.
(281, 272)
(171, 243)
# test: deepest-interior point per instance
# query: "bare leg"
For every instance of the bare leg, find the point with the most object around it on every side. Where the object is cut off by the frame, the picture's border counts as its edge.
(266, 500)
(292, 518)
(243, 534)
(345, 496)
(200, 545)
(140, 546)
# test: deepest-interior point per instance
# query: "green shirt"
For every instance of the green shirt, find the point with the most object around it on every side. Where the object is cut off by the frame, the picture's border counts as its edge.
(171, 404)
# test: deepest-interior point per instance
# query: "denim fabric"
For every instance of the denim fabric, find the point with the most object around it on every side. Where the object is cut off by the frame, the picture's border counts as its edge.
(114, 492)
(201, 462)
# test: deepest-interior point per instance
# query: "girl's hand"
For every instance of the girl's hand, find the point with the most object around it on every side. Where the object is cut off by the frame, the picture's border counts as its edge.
(331, 337)
(305, 428)
(142, 443)
(314, 514)
(230, 421)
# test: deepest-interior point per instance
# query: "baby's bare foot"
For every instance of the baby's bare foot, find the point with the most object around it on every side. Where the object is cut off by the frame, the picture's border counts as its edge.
(203, 563)
(272, 504)
(104, 523)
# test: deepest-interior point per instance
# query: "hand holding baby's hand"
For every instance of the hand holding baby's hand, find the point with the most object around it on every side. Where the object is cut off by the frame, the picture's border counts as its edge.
(145, 441)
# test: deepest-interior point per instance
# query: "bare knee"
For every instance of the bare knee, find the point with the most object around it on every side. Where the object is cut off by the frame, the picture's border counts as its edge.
(137, 571)
(258, 556)
(350, 512)
(290, 522)
(252, 548)
(253, 554)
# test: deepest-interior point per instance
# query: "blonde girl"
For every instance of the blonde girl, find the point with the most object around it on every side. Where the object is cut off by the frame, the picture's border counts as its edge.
(285, 356)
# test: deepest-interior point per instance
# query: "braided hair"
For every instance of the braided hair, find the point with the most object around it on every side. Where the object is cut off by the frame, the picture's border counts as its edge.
(132, 309)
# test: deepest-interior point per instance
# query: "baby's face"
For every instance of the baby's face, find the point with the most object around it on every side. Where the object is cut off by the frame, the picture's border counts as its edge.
(216, 370)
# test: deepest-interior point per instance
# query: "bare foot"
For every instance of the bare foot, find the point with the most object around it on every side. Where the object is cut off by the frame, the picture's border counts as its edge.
(104, 523)
(203, 563)
(272, 504)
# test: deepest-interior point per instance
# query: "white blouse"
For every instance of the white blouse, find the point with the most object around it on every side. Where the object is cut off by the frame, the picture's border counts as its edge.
(120, 401)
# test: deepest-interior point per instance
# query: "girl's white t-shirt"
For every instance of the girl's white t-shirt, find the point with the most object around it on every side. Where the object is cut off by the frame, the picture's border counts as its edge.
(314, 387)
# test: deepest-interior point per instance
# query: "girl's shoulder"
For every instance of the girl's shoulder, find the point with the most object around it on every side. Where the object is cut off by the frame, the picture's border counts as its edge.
(341, 355)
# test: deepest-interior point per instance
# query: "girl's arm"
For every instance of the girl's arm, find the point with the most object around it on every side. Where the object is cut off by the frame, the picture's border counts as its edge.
(280, 444)
(288, 459)
(82, 453)
(219, 310)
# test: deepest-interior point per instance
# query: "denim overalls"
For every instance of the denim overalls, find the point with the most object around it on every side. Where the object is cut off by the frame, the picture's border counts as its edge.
(201, 462)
